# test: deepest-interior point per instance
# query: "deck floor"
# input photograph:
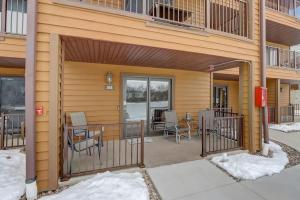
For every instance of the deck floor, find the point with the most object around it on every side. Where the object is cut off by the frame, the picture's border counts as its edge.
(159, 150)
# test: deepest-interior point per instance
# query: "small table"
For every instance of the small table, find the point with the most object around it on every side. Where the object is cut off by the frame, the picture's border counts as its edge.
(168, 12)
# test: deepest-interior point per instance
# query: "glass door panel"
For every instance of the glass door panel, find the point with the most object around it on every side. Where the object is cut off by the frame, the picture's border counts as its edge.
(160, 101)
(146, 98)
(135, 98)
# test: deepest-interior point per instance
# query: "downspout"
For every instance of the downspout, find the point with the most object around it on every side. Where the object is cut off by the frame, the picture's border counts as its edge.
(31, 186)
(263, 68)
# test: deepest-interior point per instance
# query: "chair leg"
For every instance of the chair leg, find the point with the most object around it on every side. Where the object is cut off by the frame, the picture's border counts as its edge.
(177, 138)
(189, 132)
(71, 162)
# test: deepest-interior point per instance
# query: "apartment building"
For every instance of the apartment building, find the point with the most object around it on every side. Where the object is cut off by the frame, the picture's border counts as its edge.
(283, 62)
(116, 64)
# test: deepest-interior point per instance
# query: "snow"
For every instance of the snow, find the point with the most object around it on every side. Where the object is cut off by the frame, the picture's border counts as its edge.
(250, 167)
(12, 174)
(106, 186)
(289, 127)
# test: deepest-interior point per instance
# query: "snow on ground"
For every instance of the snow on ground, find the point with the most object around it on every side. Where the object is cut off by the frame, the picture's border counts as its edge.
(247, 166)
(106, 186)
(289, 127)
(12, 174)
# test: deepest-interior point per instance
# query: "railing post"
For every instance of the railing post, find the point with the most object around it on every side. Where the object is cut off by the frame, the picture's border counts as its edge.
(3, 17)
(241, 139)
(203, 153)
(142, 164)
(2, 131)
(65, 152)
(207, 14)
(144, 7)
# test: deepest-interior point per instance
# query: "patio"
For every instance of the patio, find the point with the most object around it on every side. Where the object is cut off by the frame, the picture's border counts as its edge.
(118, 153)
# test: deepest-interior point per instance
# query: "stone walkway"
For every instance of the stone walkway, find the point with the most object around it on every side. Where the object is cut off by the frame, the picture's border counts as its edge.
(200, 179)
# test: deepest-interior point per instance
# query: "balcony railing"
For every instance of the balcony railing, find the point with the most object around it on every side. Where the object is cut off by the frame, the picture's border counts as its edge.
(229, 16)
(13, 17)
(283, 58)
(290, 7)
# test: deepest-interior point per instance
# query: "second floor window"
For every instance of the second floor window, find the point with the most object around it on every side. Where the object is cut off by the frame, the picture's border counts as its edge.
(15, 16)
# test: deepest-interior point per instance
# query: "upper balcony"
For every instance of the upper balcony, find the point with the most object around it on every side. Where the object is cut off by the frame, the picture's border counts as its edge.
(13, 17)
(288, 7)
(226, 16)
(283, 64)
(283, 21)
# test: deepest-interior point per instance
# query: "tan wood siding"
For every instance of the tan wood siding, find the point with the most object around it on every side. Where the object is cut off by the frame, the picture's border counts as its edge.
(79, 22)
(271, 86)
(284, 94)
(12, 47)
(282, 18)
(84, 90)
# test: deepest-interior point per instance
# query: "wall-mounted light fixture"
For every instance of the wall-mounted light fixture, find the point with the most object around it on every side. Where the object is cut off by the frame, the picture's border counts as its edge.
(109, 81)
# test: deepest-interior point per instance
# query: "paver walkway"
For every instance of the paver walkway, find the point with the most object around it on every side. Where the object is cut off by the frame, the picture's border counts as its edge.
(200, 179)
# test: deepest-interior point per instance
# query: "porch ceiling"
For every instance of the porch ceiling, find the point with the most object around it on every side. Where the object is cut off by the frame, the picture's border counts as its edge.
(227, 77)
(282, 34)
(12, 62)
(105, 52)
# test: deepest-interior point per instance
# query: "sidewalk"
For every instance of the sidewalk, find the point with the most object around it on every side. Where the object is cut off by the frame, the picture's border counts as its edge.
(292, 139)
(200, 179)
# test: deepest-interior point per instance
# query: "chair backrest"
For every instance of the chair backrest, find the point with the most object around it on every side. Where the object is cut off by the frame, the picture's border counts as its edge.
(78, 119)
(171, 118)
(209, 118)
(158, 114)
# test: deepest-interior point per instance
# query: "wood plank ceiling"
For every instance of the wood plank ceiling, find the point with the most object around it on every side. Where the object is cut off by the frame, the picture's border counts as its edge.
(282, 34)
(104, 52)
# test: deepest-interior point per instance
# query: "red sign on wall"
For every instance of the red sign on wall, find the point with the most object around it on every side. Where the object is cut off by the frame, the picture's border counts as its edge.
(261, 96)
(39, 110)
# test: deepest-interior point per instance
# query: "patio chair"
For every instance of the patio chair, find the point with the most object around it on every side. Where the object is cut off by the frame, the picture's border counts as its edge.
(82, 137)
(157, 118)
(209, 121)
(172, 126)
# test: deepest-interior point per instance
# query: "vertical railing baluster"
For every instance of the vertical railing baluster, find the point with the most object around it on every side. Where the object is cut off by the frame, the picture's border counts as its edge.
(203, 137)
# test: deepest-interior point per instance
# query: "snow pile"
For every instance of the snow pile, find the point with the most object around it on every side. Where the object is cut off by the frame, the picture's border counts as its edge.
(106, 186)
(290, 127)
(12, 174)
(247, 166)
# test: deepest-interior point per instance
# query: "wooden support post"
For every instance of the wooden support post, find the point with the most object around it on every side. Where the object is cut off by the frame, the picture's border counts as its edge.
(277, 102)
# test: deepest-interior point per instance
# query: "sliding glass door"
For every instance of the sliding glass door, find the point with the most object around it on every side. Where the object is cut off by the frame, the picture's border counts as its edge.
(146, 98)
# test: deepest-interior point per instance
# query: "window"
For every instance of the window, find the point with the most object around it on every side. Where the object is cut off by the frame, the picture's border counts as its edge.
(16, 17)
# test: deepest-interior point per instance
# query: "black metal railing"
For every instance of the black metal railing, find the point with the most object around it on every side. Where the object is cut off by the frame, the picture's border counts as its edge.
(287, 114)
(13, 17)
(225, 16)
(102, 147)
(284, 58)
(12, 130)
(289, 7)
(221, 134)
(272, 114)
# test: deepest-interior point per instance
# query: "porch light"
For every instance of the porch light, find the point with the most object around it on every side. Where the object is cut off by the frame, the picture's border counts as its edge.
(109, 81)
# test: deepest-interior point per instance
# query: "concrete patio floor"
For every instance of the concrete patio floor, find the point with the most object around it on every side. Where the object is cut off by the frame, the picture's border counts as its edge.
(200, 179)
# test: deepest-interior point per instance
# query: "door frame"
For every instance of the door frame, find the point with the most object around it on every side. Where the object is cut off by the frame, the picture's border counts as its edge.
(149, 76)
(227, 92)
